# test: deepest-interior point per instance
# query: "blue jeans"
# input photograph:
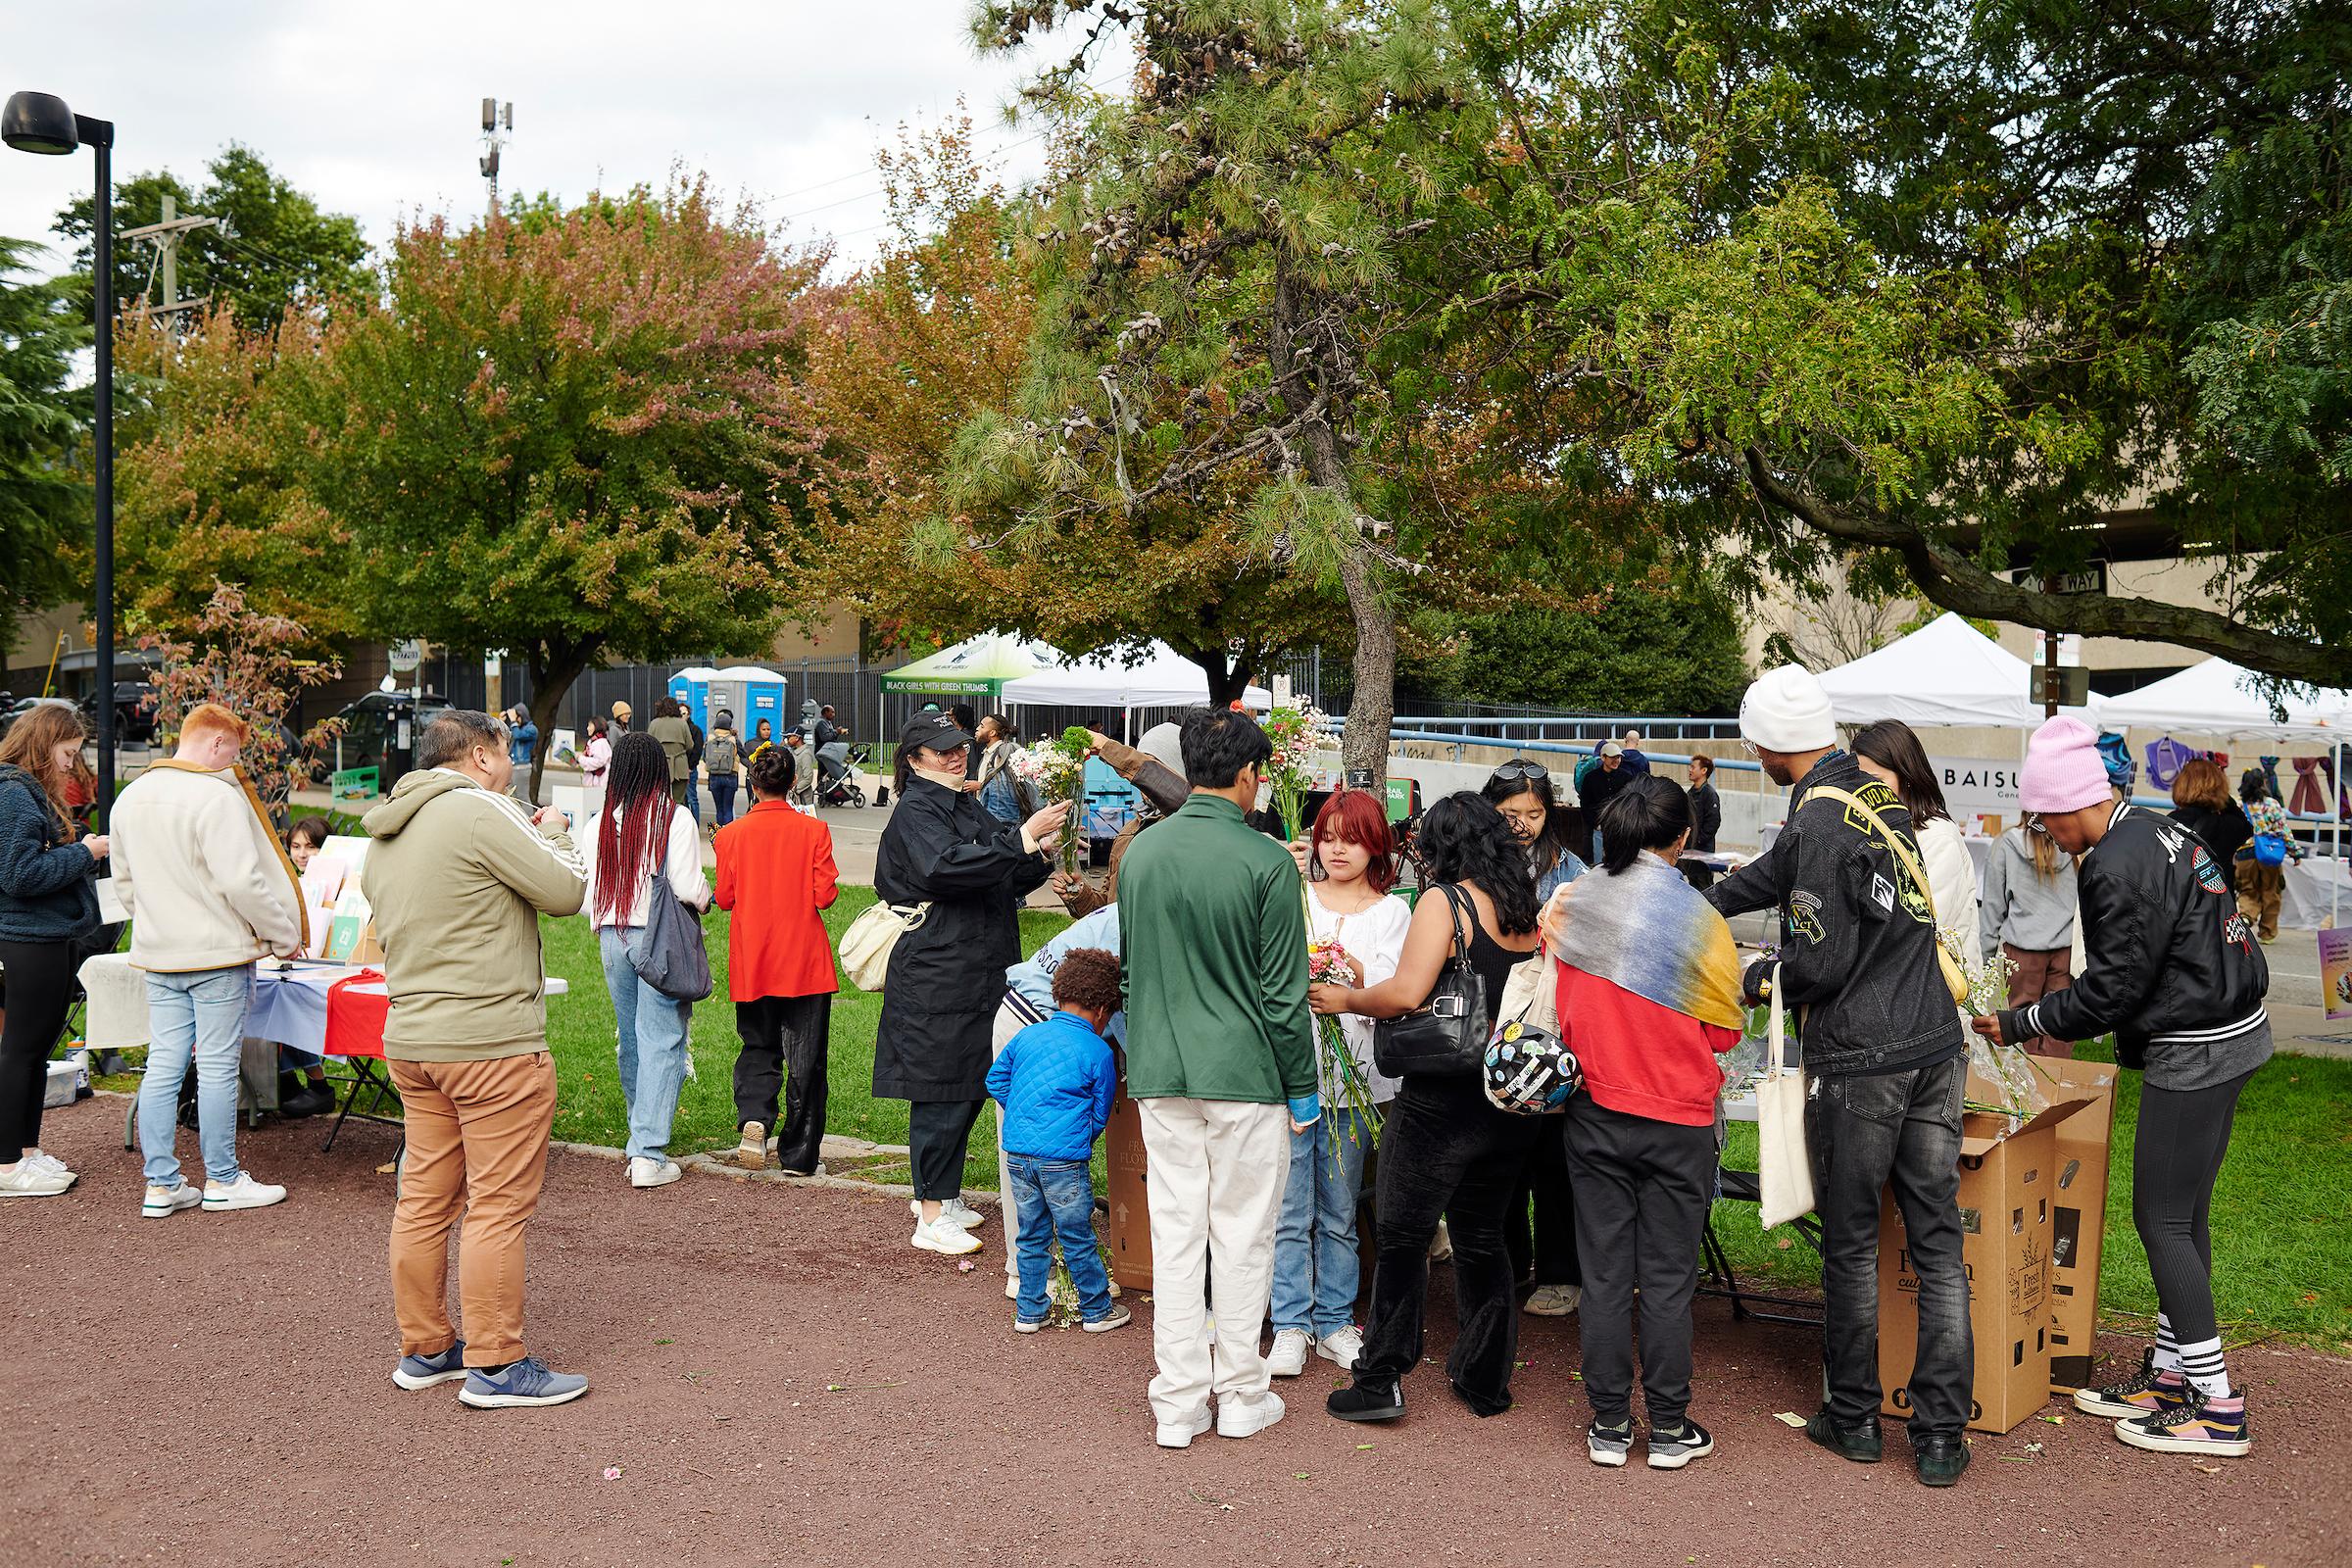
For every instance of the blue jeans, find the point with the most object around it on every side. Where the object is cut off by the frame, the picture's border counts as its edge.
(1057, 1197)
(1316, 1266)
(694, 807)
(652, 1047)
(723, 798)
(200, 1015)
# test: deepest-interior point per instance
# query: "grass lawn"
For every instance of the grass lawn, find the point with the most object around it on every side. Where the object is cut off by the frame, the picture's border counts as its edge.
(580, 1036)
(2282, 1233)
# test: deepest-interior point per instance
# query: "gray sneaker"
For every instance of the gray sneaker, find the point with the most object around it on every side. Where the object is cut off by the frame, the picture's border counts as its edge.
(529, 1381)
(1671, 1450)
(1609, 1445)
(426, 1371)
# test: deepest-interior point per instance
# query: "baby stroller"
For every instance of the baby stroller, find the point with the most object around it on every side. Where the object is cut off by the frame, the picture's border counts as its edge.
(836, 784)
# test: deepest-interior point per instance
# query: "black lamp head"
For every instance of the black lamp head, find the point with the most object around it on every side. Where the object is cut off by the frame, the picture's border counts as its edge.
(38, 122)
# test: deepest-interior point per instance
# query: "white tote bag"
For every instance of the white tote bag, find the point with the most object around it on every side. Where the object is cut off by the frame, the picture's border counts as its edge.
(1531, 993)
(1783, 1165)
(865, 946)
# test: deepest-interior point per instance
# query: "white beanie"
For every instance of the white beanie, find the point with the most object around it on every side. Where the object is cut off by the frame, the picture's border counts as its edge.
(1164, 744)
(1786, 710)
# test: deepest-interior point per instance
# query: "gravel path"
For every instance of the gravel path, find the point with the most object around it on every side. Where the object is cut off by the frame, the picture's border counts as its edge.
(780, 1378)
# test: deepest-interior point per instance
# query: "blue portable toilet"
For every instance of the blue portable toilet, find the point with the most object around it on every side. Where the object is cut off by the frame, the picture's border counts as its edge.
(751, 694)
(690, 689)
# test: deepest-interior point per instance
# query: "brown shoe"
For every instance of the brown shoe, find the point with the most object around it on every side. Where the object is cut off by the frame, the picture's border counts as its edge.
(752, 1153)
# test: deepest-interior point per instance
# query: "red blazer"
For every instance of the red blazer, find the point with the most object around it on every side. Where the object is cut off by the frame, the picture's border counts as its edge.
(775, 871)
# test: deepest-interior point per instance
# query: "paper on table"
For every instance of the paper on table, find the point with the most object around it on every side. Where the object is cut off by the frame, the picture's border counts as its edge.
(110, 903)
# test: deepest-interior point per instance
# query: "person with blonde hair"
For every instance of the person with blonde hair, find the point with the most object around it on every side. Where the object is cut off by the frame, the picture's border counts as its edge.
(2026, 914)
(210, 890)
(47, 905)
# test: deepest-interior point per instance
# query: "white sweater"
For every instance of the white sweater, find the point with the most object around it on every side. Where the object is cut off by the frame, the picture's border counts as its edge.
(685, 874)
(202, 874)
(1951, 879)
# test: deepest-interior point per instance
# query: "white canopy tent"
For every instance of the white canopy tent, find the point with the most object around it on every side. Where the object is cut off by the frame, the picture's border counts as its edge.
(1162, 678)
(1946, 673)
(2216, 700)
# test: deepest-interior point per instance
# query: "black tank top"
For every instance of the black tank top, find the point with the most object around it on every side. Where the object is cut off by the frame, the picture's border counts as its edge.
(1492, 960)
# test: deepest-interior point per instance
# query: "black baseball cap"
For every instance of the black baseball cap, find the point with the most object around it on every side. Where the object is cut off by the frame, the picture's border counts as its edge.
(935, 732)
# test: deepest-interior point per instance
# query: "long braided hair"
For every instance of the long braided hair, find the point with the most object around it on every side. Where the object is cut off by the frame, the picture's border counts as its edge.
(635, 826)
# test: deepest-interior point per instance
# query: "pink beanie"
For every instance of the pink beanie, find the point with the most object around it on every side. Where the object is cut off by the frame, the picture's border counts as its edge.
(2063, 770)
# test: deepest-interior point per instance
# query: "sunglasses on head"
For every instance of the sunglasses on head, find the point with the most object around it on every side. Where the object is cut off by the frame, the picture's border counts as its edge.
(1519, 767)
(2034, 824)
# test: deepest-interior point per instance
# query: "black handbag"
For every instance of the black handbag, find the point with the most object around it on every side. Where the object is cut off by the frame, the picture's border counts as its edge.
(668, 952)
(1447, 1035)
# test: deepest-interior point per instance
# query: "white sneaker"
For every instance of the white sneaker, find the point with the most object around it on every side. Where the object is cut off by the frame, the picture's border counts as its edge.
(646, 1171)
(1238, 1420)
(955, 1211)
(28, 1179)
(243, 1193)
(47, 1162)
(1440, 1245)
(1555, 1300)
(1340, 1346)
(1181, 1436)
(1013, 1287)
(1288, 1358)
(163, 1200)
(939, 1236)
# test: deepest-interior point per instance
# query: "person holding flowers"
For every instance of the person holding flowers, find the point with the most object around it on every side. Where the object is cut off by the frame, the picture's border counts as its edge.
(1355, 934)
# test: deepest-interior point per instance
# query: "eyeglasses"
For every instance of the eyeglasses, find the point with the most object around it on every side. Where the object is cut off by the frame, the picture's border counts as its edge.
(2034, 824)
(1519, 767)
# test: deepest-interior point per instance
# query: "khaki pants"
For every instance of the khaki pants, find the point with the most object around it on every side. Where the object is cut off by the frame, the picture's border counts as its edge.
(1214, 1184)
(2258, 889)
(477, 1145)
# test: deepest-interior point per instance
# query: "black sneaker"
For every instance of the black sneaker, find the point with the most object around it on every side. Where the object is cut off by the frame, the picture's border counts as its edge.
(1671, 1450)
(308, 1100)
(1366, 1401)
(1941, 1457)
(2147, 1392)
(1860, 1443)
(2192, 1426)
(1609, 1446)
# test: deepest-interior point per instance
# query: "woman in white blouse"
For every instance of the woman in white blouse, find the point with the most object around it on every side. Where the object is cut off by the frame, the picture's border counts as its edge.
(644, 838)
(1888, 751)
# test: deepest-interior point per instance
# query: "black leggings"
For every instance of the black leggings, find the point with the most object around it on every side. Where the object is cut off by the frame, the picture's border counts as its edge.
(2176, 1157)
(938, 1133)
(40, 988)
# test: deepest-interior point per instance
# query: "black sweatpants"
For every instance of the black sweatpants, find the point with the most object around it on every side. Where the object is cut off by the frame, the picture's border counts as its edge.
(938, 1134)
(1642, 1193)
(2176, 1159)
(1541, 1224)
(40, 989)
(784, 1053)
(1446, 1152)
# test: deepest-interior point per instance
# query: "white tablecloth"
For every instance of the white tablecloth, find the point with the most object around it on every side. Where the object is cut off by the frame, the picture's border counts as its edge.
(290, 1004)
(2303, 903)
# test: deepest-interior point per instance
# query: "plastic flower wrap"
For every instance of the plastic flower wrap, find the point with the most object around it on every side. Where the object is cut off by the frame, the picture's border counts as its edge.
(1327, 964)
(2002, 1079)
(1297, 734)
(1054, 769)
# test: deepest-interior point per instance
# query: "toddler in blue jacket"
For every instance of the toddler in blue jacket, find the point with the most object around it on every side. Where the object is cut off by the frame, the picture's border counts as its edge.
(1055, 1080)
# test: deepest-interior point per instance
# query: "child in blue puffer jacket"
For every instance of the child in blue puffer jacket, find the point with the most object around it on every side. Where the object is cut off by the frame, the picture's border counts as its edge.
(1055, 1081)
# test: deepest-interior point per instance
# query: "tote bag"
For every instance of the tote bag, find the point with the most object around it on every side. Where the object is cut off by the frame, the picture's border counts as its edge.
(865, 946)
(668, 951)
(1783, 1165)
(1531, 995)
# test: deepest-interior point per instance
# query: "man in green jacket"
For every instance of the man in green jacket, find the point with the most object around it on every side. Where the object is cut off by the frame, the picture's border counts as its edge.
(1221, 1064)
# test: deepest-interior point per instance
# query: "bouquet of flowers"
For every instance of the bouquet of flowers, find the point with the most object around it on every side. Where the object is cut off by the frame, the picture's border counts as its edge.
(2002, 1079)
(1054, 769)
(1297, 733)
(1327, 965)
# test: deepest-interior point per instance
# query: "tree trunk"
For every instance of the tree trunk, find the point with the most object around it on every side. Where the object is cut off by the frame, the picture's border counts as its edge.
(1228, 678)
(553, 669)
(1372, 710)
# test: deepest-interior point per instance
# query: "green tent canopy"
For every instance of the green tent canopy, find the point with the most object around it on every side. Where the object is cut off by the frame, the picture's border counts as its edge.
(979, 668)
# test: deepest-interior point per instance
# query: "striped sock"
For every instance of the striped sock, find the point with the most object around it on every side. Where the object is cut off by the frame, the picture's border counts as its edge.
(2202, 1364)
(2168, 1349)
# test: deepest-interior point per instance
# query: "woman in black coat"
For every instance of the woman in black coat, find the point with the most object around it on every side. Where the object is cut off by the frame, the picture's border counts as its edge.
(947, 975)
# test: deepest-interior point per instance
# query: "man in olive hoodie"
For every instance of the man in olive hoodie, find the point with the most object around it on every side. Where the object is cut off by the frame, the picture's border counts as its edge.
(458, 874)
(1221, 1064)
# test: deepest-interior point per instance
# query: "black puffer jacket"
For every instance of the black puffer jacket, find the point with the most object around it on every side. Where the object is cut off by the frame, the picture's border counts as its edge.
(1857, 939)
(2168, 963)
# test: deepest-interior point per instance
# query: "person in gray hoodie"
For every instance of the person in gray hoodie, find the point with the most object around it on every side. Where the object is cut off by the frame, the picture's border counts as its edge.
(458, 874)
(2026, 914)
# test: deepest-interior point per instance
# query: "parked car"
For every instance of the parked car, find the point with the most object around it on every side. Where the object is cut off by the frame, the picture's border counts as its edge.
(136, 705)
(25, 704)
(370, 735)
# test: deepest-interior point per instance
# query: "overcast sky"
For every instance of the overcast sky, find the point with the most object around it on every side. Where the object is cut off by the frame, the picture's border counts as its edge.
(376, 110)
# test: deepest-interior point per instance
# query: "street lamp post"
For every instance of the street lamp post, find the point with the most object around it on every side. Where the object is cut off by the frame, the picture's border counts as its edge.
(40, 123)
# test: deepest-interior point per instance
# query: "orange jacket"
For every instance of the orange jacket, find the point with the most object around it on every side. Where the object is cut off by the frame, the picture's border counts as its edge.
(775, 872)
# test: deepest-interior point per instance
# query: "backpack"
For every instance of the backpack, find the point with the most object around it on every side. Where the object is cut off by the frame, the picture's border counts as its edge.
(718, 753)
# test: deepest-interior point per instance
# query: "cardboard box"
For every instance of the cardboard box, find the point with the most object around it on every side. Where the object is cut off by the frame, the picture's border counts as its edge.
(2080, 1228)
(2008, 1202)
(1129, 1203)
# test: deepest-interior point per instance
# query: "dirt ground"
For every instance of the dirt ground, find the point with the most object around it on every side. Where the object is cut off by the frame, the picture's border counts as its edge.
(777, 1377)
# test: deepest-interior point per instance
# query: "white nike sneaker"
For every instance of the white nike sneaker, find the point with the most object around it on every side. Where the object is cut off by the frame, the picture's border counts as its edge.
(1288, 1358)
(939, 1236)
(1340, 1346)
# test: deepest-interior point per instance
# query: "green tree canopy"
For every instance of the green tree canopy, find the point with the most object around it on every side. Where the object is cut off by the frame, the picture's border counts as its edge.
(1640, 647)
(44, 489)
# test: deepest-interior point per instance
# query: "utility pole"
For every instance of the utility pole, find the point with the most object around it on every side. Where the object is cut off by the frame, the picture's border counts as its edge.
(166, 237)
(498, 129)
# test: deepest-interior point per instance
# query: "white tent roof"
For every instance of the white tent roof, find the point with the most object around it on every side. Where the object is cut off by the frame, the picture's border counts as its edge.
(2218, 700)
(1946, 673)
(1164, 678)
